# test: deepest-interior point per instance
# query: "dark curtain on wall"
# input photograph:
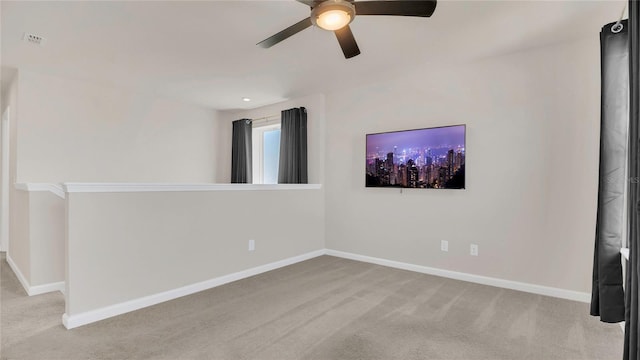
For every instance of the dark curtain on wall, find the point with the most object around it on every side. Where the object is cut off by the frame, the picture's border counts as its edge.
(632, 333)
(607, 294)
(293, 147)
(241, 152)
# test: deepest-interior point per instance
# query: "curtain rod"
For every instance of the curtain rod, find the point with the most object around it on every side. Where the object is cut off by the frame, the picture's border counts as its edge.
(268, 117)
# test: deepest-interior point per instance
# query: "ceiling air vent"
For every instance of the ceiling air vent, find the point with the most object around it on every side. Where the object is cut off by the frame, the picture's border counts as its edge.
(33, 38)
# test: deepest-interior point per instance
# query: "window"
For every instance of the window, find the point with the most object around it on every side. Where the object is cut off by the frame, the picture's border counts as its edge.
(266, 153)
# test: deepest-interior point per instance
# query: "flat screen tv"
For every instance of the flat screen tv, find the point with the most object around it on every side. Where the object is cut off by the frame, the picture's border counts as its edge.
(432, 158)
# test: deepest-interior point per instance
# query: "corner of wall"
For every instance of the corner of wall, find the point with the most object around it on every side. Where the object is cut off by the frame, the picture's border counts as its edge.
(19, 246)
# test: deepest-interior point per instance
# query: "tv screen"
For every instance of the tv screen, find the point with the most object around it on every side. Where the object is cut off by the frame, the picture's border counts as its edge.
(432, 158)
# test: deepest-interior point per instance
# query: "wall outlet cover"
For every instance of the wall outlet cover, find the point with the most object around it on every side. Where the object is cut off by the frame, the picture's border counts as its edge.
(444, 245)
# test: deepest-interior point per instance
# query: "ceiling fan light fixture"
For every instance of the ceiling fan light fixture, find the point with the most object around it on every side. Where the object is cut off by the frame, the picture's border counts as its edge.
(336, 15)
(333, 14)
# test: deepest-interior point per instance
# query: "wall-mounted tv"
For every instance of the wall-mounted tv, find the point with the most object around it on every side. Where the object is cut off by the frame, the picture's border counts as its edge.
(432, 158)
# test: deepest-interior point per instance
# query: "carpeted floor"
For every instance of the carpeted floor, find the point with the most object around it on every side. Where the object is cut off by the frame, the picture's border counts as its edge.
(324, 308)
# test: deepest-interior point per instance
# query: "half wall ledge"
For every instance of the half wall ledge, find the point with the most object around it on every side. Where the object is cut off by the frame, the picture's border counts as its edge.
(167, 187)
(53, 188)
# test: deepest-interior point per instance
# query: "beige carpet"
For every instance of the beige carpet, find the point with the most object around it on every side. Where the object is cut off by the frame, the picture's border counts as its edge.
(324, 308)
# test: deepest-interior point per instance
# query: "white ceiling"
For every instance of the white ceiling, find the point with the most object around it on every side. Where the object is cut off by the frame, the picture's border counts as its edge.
(204, 52)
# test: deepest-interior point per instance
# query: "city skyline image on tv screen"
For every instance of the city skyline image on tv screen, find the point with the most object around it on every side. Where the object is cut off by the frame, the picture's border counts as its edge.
(432, 158)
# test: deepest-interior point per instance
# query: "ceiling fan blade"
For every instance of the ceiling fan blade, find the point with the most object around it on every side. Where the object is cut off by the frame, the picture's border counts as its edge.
(307, 2)
(347, 42)
(422, 8)
(290, 31)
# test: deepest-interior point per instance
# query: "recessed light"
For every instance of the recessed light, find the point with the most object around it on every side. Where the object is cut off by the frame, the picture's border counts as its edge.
(246, 99)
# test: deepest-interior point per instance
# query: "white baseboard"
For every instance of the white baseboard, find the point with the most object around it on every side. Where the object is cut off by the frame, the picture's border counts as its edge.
(16, 270)
(37, 289)
(46, 288)
(507, 284)
(88, 317)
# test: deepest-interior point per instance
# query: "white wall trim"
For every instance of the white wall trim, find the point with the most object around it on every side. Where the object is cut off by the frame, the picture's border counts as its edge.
(507, 284)
(88, 317)
(37, 289)
(157, 187)
(46, 288)
(56, 189)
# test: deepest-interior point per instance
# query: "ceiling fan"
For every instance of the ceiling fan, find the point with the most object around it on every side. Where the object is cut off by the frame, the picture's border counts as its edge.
(336, 15)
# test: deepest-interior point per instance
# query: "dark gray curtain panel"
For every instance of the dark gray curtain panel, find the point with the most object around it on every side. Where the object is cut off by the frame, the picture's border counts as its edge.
(607, 294)
(241, 152)
(632, 333)
(293, 147)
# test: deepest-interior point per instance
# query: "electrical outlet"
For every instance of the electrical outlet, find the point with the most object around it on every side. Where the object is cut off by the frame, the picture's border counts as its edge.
(252, 245)
(444, 245)
(473, 250)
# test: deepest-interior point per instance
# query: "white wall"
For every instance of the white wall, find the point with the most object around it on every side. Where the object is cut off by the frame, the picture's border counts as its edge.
(19, 245)
(4, 179)
(532, 155)
(315, 105)
(531, 168)
(37, 249)
(77, 131)
(47, 219)
(125, 246)
(65, 130)
(9, 108)
(18, 202)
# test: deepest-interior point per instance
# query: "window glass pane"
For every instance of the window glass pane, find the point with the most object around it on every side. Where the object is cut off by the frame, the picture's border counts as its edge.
(271, 156)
